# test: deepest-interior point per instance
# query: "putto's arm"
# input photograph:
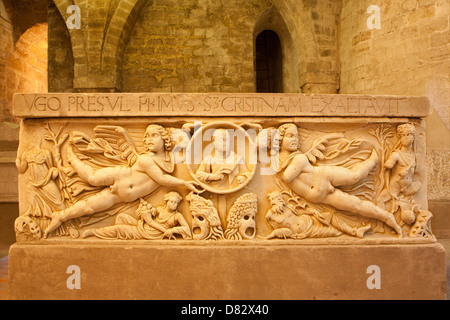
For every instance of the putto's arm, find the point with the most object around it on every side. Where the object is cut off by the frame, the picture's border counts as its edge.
(294, 168)
(391, 161)
(156, 174)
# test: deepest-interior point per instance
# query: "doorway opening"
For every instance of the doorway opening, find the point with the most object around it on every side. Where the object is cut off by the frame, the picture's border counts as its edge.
(269, 63)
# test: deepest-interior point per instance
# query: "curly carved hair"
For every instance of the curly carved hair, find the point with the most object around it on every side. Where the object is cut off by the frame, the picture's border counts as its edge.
(246, 202)
(173, 194)
(204, 206)
(165, 135)
(405, 128)
(280, 134)
(282, 130)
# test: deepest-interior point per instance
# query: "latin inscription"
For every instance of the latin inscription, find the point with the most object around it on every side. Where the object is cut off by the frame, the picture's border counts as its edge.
(99, 105)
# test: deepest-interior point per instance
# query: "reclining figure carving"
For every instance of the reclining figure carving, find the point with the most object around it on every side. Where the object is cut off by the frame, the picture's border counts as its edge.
(321, 184)
(297, 220)
(152, 223)
(144, 173)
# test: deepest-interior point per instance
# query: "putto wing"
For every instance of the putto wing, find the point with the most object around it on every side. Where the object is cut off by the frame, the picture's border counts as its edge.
(116, 142)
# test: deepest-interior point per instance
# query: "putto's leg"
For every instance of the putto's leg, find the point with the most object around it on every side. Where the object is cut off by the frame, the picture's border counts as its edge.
(343, 201)
(95, 177)
(83, 170)
(54, 224)
(363, 169)
(97, 203)
(340, 176)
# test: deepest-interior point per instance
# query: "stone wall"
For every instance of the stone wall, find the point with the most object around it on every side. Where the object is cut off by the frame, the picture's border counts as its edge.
(23, 53)
(407, 55)
(209, 46)
(6, 49)
(201, 45)
(60, 57)
(188, 46)
(27, 65)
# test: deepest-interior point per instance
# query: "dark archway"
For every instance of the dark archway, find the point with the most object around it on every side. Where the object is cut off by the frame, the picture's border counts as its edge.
(269, 62)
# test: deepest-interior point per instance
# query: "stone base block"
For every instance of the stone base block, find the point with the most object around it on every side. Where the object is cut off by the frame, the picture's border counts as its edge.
(169, 270)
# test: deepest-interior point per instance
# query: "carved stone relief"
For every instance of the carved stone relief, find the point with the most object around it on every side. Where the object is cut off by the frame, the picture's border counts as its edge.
(223, 165)
(240, 179)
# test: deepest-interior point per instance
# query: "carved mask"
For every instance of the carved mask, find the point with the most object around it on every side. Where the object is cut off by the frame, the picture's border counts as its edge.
(247, 227)
(241, 217)
(204, 216)
(200, 225)
(418, 228)
(23, 222)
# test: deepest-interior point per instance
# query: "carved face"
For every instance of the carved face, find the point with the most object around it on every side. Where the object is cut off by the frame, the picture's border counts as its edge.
(407, 138)
(247, 227)
(172, 203)
(200, 225)
(275, 144)
(418, 228)
(25, 224)
(153, 140)
(277, 202)
(290, 139)
(406, 134)
(221, 139)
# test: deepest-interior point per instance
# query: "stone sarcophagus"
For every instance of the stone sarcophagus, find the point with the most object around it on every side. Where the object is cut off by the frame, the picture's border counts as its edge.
(224, 181)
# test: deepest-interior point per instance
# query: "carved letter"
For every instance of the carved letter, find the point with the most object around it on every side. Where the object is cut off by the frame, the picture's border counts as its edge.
(54, 106)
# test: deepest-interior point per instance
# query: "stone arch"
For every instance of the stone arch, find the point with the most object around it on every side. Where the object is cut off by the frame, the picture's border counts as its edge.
(118, 34)
(26, 66)
(102, 72)
(24, 14)
(31, 52)
(78, 42)
(292, 20)
(271, 19)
